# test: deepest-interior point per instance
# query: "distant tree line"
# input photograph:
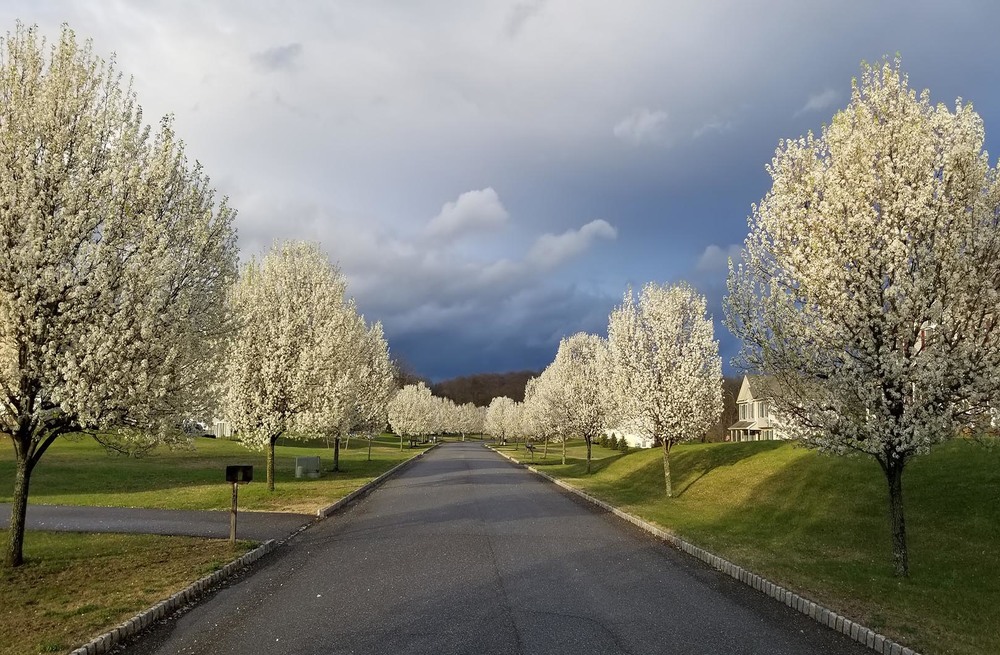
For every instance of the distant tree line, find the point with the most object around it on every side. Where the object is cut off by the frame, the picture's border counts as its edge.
(482, 388)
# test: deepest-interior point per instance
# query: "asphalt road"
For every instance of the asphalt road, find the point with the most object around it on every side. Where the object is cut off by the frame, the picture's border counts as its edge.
(256, 526)
(466, 553)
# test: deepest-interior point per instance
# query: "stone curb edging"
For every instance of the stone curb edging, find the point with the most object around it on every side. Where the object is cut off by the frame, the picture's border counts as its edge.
(365, 488)
(106, 642)
(859, 633)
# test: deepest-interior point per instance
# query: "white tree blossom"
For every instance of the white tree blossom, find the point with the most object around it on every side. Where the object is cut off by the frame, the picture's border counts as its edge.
(869, 288)
(666, 372)
(541, 412)
(290, 347)
(498, 418)
(470, 419)
(374, 385)
(115, 262)
(575, 390)
(412, 412)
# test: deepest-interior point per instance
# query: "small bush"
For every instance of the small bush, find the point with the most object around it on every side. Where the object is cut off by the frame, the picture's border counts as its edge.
(613, 442)
(623, 445)
(603, 441)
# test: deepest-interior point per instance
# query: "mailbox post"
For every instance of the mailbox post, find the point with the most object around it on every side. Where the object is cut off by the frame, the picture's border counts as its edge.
(239, 474)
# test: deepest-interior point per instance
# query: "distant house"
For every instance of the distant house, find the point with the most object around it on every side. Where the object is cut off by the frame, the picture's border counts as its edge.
(756, 419)
(632, 436)
(222, 429)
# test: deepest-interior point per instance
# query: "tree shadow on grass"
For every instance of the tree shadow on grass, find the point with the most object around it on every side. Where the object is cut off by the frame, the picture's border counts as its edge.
(694, 464)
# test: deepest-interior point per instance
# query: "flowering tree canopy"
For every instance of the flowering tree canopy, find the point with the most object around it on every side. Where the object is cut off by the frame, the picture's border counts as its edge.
(573, 388)
(115, 264)
(666, 370)
(869, 286)
(412, 411)
(292, 345)
(499, 418)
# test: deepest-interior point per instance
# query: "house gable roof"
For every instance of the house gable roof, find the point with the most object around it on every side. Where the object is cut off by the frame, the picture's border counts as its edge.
(756, 387)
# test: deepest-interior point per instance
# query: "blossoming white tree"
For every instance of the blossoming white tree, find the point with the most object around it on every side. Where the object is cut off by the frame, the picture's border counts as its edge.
(411, 411)
(498, 418)
(470, 419)
(332, 410)
(869, 288)
(666, 370)
(290, 346)
(578, 402)
(115, 262)
(374, 385)
(546, 404)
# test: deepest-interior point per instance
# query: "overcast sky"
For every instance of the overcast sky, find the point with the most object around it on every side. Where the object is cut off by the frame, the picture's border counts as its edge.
(492, 175)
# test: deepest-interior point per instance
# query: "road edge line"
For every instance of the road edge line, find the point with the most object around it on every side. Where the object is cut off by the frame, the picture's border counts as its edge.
(815, 611)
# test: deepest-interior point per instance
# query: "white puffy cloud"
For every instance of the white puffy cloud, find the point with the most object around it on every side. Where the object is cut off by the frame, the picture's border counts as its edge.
(715, 259)
(819, 101)
(716, 125)
(642, 126)
(551, 250)
(473, 211)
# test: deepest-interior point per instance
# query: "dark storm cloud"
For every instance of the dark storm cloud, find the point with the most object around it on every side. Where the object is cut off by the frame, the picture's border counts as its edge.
(431, 147)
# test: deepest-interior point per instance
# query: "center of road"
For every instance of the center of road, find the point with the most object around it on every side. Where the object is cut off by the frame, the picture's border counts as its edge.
(464, 552)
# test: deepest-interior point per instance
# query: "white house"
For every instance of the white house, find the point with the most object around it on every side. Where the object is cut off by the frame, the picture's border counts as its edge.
(632, 436)
(756, 420)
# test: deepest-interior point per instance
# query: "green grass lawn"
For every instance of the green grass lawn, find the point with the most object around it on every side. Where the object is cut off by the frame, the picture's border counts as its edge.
(78, 471)
(74, 587)
(818, 524)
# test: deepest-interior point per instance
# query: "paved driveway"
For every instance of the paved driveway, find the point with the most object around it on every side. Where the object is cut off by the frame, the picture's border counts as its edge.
(257, 526)
(465, 553)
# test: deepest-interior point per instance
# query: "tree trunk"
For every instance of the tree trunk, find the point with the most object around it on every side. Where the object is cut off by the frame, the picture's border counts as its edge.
(463, 436)
(587, 439)
(400, 443)
(18, 512)
(336, 453)
(545, 448)
(270, 462)
(666, 468)
(564, 450)
(894, 476)
(370, 440)
(347, 441)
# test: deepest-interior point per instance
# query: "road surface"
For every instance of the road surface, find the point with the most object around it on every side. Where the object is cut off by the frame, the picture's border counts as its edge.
(465, 553)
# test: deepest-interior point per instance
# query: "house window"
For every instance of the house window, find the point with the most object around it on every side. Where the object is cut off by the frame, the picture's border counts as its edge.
(743, 411)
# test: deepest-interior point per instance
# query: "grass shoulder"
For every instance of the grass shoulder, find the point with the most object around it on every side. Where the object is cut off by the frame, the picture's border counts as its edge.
(818, 524)
(73, 586)
(78, 471)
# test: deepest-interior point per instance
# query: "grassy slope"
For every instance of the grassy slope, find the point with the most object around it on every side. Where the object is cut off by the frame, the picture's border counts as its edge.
(74, 587)
(818, 524)
(77, 471)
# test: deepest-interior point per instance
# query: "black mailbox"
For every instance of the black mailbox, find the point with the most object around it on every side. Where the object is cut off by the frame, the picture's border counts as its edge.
(239, 473)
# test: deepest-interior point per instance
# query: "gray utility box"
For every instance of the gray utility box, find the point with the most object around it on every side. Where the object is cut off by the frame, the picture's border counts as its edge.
(307, 467)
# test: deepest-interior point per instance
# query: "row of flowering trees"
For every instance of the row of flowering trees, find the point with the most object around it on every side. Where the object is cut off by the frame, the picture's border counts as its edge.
(123, 309)
(658, 373)
(414, 411)
(301, 361)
